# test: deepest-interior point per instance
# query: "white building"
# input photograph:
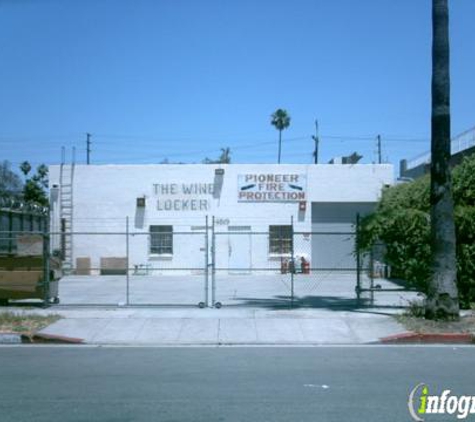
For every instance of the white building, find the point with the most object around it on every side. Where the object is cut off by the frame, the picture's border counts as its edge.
(169, 207)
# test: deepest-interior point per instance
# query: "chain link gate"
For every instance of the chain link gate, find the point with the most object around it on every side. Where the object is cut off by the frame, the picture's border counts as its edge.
(213, 263)
(326, 269)
(375, 285)
(240, 277)
(133, 267)
(281, 267)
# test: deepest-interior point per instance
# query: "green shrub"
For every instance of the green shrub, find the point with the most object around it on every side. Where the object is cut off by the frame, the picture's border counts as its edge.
(402, 222)
(463, 178)
(465, 230)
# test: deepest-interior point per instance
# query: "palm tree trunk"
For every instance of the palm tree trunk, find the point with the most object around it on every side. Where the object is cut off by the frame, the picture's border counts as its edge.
(442, 300)
(280, 145)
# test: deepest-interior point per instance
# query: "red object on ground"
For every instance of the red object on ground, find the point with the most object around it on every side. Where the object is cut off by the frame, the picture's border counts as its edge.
(406, 338)
(284, 266)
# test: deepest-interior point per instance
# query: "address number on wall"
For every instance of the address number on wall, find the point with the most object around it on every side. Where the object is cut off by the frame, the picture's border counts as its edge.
(222, 221)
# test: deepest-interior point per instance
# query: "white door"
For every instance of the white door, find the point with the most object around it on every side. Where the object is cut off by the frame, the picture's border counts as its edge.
(239, 249)
(196, 249)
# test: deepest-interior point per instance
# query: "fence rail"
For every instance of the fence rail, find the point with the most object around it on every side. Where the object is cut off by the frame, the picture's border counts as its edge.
(210, 265)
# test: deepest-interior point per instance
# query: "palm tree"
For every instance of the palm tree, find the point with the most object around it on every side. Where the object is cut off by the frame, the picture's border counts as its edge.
(225, 157)
(442, 298)
(280, 120)
(25, 167)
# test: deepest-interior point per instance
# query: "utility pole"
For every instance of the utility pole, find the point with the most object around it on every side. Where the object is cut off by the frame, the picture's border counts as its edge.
(380, 160)
(315, 138)
(88, 148)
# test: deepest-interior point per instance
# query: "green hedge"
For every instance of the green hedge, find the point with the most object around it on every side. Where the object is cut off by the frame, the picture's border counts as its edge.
(402, 222)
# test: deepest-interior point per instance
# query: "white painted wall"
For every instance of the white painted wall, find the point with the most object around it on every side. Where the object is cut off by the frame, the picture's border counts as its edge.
(104, 195)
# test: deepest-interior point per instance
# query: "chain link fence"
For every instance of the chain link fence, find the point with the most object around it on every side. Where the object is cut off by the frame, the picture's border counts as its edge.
(376, 285)
(281, 267)
(210, 262)
(27, 271)
(120, 264)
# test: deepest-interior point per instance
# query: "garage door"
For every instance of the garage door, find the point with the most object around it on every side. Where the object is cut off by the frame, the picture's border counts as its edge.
(333, 241)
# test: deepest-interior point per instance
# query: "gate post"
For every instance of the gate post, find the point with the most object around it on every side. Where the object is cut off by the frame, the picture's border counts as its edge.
(213, 264)
(46, 266)
(206, 301)
(371, 275)
(294, 266)
(10, 232)
(127, 252)
(358, 259)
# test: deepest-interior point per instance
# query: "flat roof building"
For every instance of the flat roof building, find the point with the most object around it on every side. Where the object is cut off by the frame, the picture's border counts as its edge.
(169, 207)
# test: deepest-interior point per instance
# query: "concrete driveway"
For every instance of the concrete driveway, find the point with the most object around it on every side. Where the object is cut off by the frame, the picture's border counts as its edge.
(222, 327)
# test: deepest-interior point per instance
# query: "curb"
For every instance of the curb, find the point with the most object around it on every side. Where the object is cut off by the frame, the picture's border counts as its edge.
(50, 339)
(429, 338)
(37, 338)
(10, 338)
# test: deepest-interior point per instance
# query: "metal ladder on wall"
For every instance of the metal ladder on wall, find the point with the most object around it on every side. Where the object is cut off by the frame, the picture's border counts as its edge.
(66, 181)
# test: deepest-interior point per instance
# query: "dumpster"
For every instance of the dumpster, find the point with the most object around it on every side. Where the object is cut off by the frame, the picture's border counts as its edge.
(22, 273)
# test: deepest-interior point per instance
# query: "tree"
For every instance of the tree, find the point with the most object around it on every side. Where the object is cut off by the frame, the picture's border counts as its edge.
(442, 297)
(35, 187)
(10, 183)
(280, 119)
(25, 167)
(401, 222)
(224, 158)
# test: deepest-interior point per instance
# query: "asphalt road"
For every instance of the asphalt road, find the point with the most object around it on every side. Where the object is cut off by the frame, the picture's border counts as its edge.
(45, 383)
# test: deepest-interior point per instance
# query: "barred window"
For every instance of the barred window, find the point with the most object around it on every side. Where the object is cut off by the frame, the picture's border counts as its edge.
(280, 239)
(161, 240)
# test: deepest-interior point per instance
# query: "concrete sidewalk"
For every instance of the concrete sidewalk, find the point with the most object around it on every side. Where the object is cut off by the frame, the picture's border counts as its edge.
(149, 326)
(253, 311)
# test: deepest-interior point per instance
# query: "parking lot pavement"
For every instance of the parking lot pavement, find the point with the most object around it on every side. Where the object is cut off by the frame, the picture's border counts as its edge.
(269, 291)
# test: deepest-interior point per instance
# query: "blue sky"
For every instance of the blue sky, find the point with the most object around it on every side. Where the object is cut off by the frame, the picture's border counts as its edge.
(181, 79)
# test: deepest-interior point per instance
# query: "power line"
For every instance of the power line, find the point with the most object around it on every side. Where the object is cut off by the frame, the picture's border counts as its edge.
(114, 151)
(60, 139)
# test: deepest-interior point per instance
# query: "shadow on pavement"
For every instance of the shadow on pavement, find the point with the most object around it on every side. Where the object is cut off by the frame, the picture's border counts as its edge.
(331, 303)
